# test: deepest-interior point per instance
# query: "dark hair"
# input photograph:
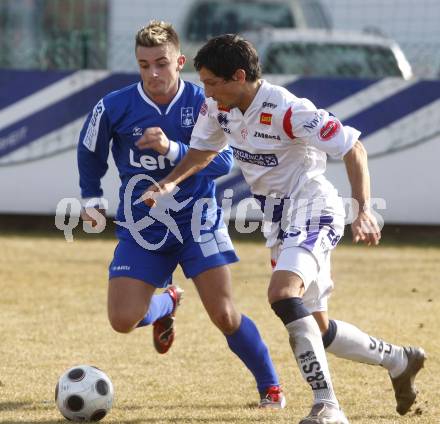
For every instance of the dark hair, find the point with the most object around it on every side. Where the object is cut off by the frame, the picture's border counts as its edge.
(224, 54)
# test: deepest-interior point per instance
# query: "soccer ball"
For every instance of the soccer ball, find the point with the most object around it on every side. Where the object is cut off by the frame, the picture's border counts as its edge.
(84, 393)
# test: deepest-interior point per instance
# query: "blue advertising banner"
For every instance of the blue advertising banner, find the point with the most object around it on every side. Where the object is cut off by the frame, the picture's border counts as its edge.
(41, 113)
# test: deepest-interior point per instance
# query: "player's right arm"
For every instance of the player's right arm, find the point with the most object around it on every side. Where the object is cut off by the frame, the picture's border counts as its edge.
(207, 140)
(175, 151)
(92, 157)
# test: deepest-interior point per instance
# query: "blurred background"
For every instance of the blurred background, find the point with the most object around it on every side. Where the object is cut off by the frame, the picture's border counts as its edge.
(98, 34)
(375, 64)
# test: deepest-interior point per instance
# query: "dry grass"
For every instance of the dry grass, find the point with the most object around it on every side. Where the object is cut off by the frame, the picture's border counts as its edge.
(52, 316)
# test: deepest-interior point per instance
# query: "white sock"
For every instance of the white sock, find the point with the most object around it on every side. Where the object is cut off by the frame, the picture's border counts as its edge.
(306, 342)
(352, 343)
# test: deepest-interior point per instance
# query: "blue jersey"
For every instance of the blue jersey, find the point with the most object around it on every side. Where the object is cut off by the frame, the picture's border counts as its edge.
(121, 117)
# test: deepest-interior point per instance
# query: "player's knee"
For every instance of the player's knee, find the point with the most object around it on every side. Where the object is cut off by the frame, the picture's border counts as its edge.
(276, 293)
(329, 334)
(322, 320)
(273, 295)
(280, 288)
(226, 320)
(121, 326)
(122, 322)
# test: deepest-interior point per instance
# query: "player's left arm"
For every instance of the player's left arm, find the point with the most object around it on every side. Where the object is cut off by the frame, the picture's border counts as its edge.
(364, 227)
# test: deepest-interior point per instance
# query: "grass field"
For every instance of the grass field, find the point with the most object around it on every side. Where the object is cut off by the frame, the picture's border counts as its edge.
(53, 316)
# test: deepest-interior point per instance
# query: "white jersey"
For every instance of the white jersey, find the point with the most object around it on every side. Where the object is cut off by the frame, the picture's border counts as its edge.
(280, 143)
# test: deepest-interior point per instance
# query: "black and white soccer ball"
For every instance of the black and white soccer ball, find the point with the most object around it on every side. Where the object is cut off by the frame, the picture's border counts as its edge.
(84, 393)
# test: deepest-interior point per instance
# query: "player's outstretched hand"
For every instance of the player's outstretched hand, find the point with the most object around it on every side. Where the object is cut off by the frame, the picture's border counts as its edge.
(154, 191)
(93, 216)
(365, 228)
(154, 138)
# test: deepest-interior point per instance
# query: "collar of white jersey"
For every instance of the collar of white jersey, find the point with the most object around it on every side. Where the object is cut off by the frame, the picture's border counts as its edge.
(154, 105)
(260, 96)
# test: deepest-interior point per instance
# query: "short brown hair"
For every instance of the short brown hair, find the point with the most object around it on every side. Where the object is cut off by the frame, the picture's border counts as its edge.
(157, 33)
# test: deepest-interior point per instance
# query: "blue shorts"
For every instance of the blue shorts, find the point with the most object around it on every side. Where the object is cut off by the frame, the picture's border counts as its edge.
(212, 249)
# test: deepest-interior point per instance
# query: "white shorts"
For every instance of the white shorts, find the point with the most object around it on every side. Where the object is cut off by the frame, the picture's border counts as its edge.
(317, 282)
(316, 226)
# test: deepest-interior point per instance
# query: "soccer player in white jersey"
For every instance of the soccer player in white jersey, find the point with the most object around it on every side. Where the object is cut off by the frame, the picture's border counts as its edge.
(280, 143)
(164, 109)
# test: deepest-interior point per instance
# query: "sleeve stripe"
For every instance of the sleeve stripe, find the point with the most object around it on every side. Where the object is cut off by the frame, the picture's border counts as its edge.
(287, 123)
(91, 136)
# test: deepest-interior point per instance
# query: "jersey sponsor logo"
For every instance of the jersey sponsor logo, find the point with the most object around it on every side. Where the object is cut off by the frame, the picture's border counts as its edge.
(269, 105)
(91, 136)
(329, 130)
(313, 123)
(266, 136)
(150, 163)
(287, 123)
(187, 116)
(260, 159)
(223, 120)
(137, 132)
(266, 118)
(204, 109)
(97, 111)
(121, 268)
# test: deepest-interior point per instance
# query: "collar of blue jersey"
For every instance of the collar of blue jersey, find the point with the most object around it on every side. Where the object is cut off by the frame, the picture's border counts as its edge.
(154, 105)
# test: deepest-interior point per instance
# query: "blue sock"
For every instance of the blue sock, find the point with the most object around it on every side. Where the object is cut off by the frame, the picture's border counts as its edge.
(248, 345)
(160, 305)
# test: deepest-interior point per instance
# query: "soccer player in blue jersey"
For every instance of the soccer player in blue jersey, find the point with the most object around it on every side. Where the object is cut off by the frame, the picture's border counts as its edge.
(163, 108)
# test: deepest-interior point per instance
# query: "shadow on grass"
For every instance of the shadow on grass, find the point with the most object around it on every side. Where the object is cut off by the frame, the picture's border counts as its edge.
(206, 420)
(177, 419)
(13, 406)
(373, 417)
(27, 406)
(203, 406)
(417, 410)
(60, 421)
